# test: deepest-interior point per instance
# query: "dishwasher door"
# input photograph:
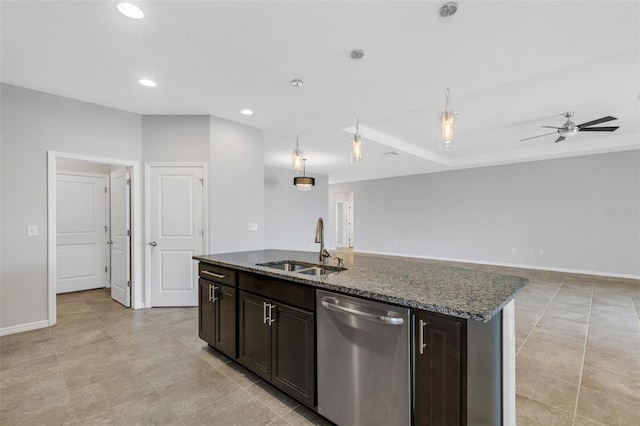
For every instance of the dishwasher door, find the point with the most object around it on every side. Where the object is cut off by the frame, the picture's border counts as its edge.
(363, 361)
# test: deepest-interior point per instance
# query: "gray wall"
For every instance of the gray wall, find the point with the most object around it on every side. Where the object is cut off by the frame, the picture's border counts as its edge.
(32, 124)
(175, 138)
(290, 214)
(582, 212)
(236, 187)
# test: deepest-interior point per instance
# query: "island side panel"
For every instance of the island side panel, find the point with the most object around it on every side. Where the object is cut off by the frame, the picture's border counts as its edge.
(484, 372)
(509, 364)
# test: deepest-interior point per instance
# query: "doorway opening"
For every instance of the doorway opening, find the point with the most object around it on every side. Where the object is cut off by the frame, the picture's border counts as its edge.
(83, 221)
(343, 210)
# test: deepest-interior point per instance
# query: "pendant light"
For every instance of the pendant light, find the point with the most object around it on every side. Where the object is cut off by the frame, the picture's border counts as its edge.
(297, 160)
(304, 182)
(356, 140)
(447, 119)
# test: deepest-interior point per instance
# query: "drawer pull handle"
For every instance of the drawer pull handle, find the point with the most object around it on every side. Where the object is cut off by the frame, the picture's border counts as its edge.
(264, 312)
(423, 345)
(271, 319)
(213, 274)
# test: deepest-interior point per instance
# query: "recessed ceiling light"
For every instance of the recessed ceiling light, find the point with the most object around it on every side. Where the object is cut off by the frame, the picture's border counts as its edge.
(246, 111)
(130, 10)
(148, 83)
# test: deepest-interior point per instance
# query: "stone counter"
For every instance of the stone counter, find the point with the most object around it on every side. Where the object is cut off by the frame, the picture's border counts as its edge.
(415, 283)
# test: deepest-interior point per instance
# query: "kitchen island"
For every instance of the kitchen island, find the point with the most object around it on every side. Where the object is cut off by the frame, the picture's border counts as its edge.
(462, 349)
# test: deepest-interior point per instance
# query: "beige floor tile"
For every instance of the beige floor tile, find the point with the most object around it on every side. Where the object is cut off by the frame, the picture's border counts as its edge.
(547, 390)
(187, 397)
(302, 416)
(272, 398)
(48, 409)
(240, 375)
(109, 393)
(622, 382)
(238, 408)
(533, 413)
(607, 408)
(552, 357)
(583, 421)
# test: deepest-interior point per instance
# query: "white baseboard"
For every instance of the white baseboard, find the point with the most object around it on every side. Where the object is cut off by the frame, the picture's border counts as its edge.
(23, 327)
(508, 265)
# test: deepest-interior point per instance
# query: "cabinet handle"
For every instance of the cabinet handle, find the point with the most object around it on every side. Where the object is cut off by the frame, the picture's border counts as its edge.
(215, 299)
(213, 274)
(421, 335)
(264, 312)
(210, 296)
(271, 319)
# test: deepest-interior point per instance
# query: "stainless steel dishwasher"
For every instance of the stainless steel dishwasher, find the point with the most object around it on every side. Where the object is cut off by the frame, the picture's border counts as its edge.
(363, 361)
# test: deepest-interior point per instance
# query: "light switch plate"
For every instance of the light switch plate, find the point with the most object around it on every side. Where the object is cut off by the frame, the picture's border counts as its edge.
(252, 226)
(32, 230)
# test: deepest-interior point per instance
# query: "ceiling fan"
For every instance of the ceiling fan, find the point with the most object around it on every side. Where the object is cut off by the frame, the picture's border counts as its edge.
(569, 128)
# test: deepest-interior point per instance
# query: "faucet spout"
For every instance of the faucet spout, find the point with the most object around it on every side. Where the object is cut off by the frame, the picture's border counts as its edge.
(323, 256)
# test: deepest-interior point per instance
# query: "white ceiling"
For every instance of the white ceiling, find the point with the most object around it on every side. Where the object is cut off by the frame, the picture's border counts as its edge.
(512, 66)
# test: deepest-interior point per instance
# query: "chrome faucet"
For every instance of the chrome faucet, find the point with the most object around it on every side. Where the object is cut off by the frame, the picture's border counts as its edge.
(324, 255)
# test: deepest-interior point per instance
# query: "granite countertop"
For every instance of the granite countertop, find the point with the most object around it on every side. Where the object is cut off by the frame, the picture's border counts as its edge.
(415, 283)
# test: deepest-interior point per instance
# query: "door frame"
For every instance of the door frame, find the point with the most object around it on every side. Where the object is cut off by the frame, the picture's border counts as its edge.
(137, 298)
(147, 217)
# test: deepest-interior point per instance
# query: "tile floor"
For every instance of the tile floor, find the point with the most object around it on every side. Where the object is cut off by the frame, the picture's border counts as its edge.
(578, 363)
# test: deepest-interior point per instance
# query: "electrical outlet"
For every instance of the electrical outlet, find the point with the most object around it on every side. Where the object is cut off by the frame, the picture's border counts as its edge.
(530, 251)
(32, 230)
(514, 250)
(541, 251)
(252, 226)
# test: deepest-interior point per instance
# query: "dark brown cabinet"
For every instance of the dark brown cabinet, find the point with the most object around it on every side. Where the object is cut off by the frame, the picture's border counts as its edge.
(276, 339)
(440, 376)
(217, 322)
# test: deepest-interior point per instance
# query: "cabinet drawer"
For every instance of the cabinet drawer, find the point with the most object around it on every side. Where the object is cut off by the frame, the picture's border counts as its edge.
(292, 293)
(218, 274)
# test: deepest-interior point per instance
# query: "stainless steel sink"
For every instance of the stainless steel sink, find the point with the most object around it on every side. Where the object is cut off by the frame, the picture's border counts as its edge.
(302, 267)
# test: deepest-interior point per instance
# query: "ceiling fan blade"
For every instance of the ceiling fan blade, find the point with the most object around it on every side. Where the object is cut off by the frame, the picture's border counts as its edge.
(539, 136)
(599, 129)
(553, 127)
(560, 139)
(598, 121)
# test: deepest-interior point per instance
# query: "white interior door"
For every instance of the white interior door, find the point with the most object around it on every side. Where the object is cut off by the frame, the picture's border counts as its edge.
(121, 237)
(175, 210)
(81, 204)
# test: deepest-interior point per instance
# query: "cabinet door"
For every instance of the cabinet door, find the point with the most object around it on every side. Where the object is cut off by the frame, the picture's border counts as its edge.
(254, 335)
(206, 312)
(225, 327)
(439, 370)
(293, 353)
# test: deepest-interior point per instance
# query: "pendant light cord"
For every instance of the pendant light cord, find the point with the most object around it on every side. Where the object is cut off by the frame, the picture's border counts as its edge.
(357, 95)
(298, 119)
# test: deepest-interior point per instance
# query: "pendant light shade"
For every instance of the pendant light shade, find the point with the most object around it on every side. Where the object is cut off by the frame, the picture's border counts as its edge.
(297, 159)
(297, 155)
(447, 126)
(304, 182)
(448, 117)
(356, 146)
(356, 140)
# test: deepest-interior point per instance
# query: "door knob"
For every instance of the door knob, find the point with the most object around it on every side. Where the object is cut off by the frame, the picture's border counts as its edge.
(153, 244)
(109, 242)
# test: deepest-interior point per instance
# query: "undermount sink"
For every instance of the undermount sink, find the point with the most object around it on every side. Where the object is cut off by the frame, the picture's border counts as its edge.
(302, 267)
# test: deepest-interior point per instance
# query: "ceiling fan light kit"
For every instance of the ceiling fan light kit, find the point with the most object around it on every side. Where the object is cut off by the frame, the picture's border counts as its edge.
(569, 128)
